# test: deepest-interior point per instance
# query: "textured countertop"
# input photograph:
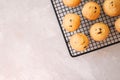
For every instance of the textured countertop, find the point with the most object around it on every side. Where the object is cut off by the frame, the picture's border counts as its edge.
(32, 47)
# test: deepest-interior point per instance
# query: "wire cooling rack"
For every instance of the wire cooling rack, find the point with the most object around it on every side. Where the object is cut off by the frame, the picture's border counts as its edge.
(61, 10)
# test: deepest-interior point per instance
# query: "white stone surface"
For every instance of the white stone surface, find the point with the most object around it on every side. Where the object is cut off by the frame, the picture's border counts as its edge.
(32, 47)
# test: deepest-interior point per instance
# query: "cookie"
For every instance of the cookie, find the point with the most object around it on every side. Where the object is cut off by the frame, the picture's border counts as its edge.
(112, 7)
(91, 10)
(117, 25)
(79, 42)
(71, 22)
(71, 3)
(99, 31)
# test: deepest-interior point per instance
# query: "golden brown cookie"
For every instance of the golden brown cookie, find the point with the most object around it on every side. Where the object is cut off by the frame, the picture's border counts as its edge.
(112, 7)
(79, 42)
(71, 22)
(71, 3)
(99, 31)
(117, 25)
(91, 10)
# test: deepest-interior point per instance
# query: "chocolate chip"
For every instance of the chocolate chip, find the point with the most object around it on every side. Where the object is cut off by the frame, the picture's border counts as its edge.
(95, 7)
(99, 32)
(70, 20)
(100, 29)
(85, 46)
(83, 42)
(112, 3)
(94, 11)
(70, 26)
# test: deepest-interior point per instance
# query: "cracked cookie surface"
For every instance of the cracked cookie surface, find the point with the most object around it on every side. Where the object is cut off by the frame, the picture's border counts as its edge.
(91, 10)
(112, 7)
(71, 22)
(99, 31)
(79, 42)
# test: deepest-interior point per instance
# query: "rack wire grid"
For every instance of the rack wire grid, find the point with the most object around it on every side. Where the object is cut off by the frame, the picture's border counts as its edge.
(61, 10)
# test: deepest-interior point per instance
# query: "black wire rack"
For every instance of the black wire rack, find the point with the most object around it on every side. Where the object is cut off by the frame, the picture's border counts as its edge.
(61, 10)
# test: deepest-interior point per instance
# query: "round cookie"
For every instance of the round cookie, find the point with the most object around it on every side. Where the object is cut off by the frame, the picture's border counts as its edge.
(99, 31)
(91, 10)
(117, 25)
(79, 42)
(71, 3)
(71, 22)
(112, 7)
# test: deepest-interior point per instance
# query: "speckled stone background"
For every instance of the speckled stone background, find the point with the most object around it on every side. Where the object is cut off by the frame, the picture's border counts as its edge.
(32, 47)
